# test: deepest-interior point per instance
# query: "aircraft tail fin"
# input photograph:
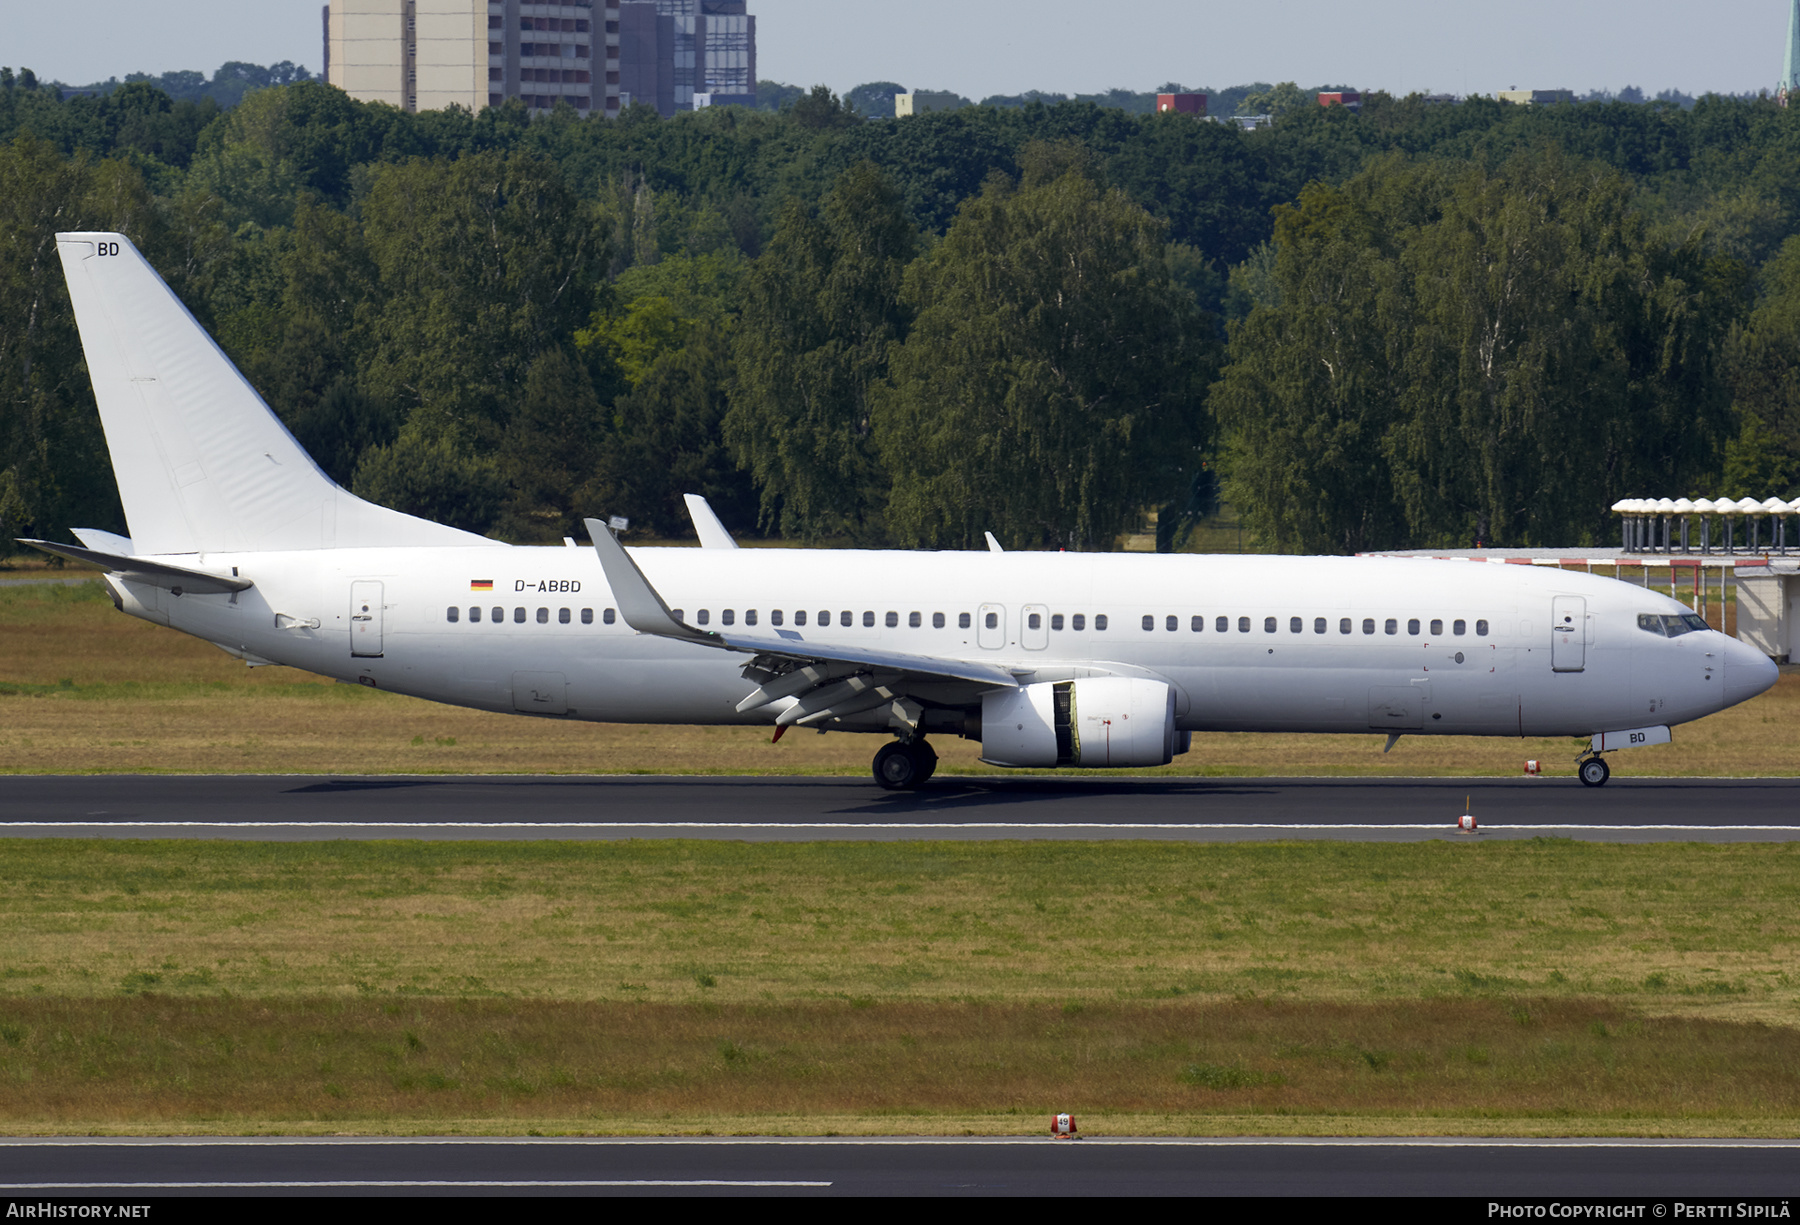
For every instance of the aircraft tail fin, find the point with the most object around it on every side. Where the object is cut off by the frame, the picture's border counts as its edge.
(203, 465)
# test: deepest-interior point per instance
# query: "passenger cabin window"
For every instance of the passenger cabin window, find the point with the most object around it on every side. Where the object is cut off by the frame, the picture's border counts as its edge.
(474, 615)
(705, 618)
(1268, 625)
(1243, 625)
(680, 614)
(518, 616)
(1222, 624)
(1368, 625)
(893, 620)
(1197, 625)
(1318, 625)
(1437, 628)
(1078, 621)
(562, 616)
(1035, 621)
(543, 616)
(607, 616)
(914, 620)
(869, 620)
(1056, 621)
(1412, 627)
(1099, 621)
(937, 621)
(1481, 629)
(454, 614)
(1294, 625)
(962, 621)
(775, 616)
(992, 621)
(1391, 626)
(1459, 628)
(1344, 626)
(750, 616)
(800, 616)
(497, 615)
(1149, 622)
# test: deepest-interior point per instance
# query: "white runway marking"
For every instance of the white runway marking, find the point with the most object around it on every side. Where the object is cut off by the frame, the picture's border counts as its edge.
(423, 1182)
(1436, 826)
(1619, 1142)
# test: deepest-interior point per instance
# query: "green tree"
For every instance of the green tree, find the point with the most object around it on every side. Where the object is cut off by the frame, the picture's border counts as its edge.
(821, 307)
(1053, 382)
(874, 100)
(54, 469)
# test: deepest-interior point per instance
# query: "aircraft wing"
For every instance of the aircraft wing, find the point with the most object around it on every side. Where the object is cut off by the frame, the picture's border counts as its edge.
(154, 573)
(829, 680)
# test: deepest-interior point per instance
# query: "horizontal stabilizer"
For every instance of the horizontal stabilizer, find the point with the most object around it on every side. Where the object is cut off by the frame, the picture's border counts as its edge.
(154, 573)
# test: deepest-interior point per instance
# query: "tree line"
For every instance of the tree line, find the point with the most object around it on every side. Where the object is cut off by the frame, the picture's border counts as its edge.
(1416, 325)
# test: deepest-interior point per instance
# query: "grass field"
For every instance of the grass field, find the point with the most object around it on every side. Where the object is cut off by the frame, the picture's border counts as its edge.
(1546, 986)
(86, 689)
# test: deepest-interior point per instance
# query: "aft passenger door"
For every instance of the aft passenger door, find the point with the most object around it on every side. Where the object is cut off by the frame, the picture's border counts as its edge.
(1568, 633)
(365, 619)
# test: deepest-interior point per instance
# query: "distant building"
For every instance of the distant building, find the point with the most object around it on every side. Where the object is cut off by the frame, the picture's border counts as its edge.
(1348, 98)
(1536, 97)
(1250, 123)
(921, 101)
(1790, 66)
(1181, 104)
(705, 49)
(646, 56)
(424, 55)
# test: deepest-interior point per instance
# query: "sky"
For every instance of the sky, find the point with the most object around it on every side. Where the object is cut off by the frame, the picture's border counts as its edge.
(1058, 46)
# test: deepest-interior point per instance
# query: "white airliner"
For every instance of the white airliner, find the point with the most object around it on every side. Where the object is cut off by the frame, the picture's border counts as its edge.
(1048, 659)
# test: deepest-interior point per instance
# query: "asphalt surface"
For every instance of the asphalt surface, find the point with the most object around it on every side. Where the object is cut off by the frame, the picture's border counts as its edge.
(299, 807)
(124, 1170)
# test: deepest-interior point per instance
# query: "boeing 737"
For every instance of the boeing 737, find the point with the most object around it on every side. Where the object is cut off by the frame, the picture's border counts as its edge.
(1046, 659)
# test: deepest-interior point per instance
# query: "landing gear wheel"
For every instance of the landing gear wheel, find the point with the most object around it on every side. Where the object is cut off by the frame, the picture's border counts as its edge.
(902, 767)
(928, 760)
(1594, 772)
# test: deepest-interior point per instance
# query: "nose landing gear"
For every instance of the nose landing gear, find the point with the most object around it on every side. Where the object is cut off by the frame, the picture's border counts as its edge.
(1593, 771)
(905, 765)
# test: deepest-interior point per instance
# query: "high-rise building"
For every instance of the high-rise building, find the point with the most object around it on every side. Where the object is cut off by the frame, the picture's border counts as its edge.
(422, 55)
(706, 49)
(1790, 66)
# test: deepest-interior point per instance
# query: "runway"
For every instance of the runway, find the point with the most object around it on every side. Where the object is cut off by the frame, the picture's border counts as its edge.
(303, 808)
(134, 1169)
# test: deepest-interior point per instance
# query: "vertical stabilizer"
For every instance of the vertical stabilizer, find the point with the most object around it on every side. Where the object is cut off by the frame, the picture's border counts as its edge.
(202, 464)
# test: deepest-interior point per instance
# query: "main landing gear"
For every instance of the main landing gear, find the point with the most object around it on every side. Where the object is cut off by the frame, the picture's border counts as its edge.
(905, 764)
(1593, 771)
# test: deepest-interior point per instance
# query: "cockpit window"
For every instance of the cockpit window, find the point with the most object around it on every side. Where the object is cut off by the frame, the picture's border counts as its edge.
(1695, 621)
(1650, 623)
(1683, 623)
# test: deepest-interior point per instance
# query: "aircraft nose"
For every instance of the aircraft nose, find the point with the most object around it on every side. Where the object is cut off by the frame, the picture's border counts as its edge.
(1748, 672)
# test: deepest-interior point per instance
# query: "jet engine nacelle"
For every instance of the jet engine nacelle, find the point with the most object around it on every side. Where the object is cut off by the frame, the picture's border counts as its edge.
(1095, 721)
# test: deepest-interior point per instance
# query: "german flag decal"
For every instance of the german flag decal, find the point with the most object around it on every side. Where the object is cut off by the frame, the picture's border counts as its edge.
(481, 584)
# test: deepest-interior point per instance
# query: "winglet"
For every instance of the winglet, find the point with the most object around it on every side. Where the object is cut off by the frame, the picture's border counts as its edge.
(993, 545)
(712, 533)
(643, 609)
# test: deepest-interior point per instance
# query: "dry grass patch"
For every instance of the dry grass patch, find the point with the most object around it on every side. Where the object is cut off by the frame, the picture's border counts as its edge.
(85, 689)
(1455, 1065)
(1695, 930)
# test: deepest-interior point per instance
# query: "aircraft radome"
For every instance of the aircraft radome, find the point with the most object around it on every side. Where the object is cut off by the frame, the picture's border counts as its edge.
(1048, 659)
